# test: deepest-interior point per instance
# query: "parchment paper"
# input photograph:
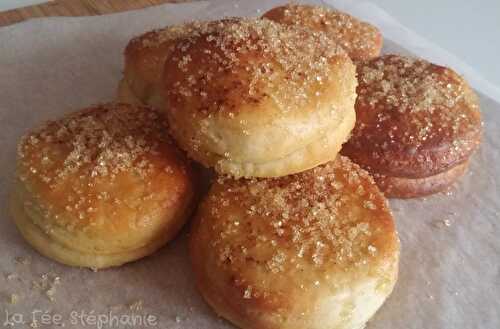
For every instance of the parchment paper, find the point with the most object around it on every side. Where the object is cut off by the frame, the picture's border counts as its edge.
(450, 262)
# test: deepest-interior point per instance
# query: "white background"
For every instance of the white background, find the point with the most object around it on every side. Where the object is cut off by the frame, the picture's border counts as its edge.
(468, 29)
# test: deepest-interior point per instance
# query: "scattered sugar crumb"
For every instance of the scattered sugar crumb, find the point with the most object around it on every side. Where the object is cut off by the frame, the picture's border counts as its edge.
(14, 298)
(50, 293)
(248, 293)
(443, 223)
(372, 249)
(12, 276)
(23, 260)
(47, 284)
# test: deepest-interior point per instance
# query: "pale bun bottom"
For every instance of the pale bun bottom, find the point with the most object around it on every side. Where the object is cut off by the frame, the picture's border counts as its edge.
(323, 149)
(406, 188)
(49, 248)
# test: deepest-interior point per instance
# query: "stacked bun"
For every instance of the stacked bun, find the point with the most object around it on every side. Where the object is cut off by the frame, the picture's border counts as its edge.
(145, 56)
(359, 39)
(253, 98)
(417, 125)
(317, 249)
(101, 187)
(290, 234)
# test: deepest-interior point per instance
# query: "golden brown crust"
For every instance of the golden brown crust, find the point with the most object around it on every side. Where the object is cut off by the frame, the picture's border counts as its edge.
(414, 119)
(102, 181)
(296, 251)
(250, 96)
(405, 188)
(359, 39)
(145, 56)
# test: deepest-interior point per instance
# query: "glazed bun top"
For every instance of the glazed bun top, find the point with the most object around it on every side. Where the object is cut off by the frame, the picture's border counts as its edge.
(359, 39)
(156, 38)
(414, 118)
(255, 68)
(107, 169)
(148, 52)
(330, 220)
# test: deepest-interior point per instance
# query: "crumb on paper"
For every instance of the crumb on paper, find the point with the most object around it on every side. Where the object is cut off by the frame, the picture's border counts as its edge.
(47, 284)
(442, 223)
(50, 293)
(22, 260)
(12, 276)
(449, 192)
(14, 299)
(178, 319)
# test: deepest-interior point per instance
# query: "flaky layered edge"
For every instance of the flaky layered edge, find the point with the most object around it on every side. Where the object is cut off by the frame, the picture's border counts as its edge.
(43, 240)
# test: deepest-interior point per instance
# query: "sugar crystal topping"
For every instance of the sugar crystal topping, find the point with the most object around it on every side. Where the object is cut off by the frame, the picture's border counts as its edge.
(246, 60)
(315, 217)
(102, 141)
(408, 85)
(407, 105)
(158, 37)
(359, 39)
(79, 160)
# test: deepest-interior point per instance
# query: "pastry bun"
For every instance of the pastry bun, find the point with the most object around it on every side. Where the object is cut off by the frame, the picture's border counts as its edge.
(145, 56)
(312, 250)
(101, 187)
(415, 120)
(359, 39)
(254, 98)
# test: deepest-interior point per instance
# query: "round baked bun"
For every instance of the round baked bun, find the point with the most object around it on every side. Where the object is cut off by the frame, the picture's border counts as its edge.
(359, 39)
(145, 56)
(415, 120)
(255, 98)
(312, 250)
(101, 187)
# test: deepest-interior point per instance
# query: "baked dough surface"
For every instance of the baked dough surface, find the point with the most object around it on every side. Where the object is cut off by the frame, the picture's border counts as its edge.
(414, 119)
(102, 186)
(251, 97)
(359, 39)
(317, 249)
